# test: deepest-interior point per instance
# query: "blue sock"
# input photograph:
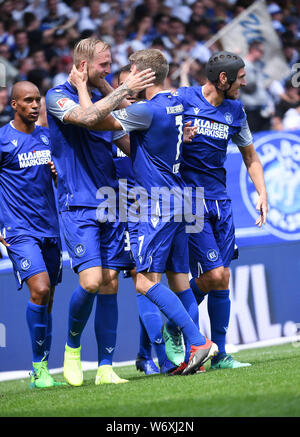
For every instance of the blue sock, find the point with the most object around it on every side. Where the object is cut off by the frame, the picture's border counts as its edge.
(170, 305)
(48, 340)
(190, 304)
(37, 319)
(145, 346)
(199, 295)
(80, 308)
(152, 323)
(218, 306)
(106, 322)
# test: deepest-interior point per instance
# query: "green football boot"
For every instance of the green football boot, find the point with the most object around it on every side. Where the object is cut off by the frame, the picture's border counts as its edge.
(41, 378)
(174, 346)
(227, 362)
(72, 366)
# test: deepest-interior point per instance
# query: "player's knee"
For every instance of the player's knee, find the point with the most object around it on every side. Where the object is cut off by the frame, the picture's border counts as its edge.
(110, 287)
(215, 279)
(40, 295)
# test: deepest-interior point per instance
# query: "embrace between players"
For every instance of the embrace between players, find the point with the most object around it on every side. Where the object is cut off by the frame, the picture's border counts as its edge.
(174, 140)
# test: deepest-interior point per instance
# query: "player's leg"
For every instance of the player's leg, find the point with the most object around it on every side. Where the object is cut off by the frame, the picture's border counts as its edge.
(81, 234)
(219, 296)
(29, 266)
(150, 322)
(114, 258)
(105, 325)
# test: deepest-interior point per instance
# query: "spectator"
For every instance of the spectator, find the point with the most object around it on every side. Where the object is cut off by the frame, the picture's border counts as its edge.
(5, 37)
(290, 99)
(254, 95)
(6, 111)
(175, 35)
(25, 66)
(91, 17)
(64, 68)
(56, 15)
(22, 49)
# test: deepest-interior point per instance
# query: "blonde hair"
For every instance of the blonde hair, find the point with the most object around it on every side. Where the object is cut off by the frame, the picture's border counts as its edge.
(85, 49)
(154, 59)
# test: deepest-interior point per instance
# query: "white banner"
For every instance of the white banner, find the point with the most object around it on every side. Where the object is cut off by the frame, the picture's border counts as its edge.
(255, 24)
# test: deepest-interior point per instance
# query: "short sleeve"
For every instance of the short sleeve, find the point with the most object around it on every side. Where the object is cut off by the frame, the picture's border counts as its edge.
(59, 104)
(244, 137)
(137, 116)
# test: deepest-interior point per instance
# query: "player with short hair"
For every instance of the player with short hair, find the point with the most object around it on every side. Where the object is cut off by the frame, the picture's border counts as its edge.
(219, 118)
(150, 321)
(83, 159)
(29, 216)
(156, 129)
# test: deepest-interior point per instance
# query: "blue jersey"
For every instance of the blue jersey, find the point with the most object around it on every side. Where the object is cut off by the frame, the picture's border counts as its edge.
(203, 159)
(26, 191)
(156, 129)
(83, 157)
(123, 166)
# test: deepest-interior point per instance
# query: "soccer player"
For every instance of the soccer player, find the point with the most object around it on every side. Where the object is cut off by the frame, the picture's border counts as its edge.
(29, 216)
(219, 117)
(156, 129)
(83, 159)
(149, 315)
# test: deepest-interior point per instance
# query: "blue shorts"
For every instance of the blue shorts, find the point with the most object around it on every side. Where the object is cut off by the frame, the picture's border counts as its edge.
(91, 243)
(33, 255)
(214, 246)
(162, 247)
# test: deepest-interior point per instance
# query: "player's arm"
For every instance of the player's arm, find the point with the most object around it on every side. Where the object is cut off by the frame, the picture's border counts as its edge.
(252, 162)
(91, 116)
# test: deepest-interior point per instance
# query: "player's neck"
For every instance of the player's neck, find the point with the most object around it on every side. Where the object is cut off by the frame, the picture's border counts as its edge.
(20, 125)
(151, 91)
(212, 95)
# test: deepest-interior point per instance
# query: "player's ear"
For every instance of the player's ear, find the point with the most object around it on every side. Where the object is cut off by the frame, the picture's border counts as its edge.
(82, 65)
(13, 104)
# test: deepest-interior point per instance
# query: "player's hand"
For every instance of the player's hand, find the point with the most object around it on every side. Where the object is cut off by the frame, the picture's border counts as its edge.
(262, 207)
(4, 242)
(137, 81)
(53, 171)
(189, 132)
(78, 78)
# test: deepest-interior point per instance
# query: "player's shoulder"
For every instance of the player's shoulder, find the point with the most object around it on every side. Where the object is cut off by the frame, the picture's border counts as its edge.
(58, 93)
(236, 108)
(5, 133)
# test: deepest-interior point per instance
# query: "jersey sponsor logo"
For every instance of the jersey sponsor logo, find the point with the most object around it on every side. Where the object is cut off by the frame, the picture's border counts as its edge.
(228, 117)
(79, 249)
(212, 255)
(14, 142)
(120, 153)
(212, 129)
(25, 264)
(279, 154)
(196, 110)
(62, 102)
(37, 157)
(44, 139)
(174, 109)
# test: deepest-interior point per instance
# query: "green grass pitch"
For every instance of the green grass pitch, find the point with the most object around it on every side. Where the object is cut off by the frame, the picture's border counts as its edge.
(269, 388)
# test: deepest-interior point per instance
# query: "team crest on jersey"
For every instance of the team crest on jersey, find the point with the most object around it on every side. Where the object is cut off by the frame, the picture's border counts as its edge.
(212, 255)
(279, 154)
(25, 263)
(228, 117)
(44, 139)
(62, 102)
(79, 249)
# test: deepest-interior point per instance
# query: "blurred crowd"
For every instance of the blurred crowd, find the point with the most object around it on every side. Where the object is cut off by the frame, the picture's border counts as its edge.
(37, 39)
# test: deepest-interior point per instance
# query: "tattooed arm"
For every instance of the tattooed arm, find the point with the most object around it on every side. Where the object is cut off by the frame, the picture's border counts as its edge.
(90, 116)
